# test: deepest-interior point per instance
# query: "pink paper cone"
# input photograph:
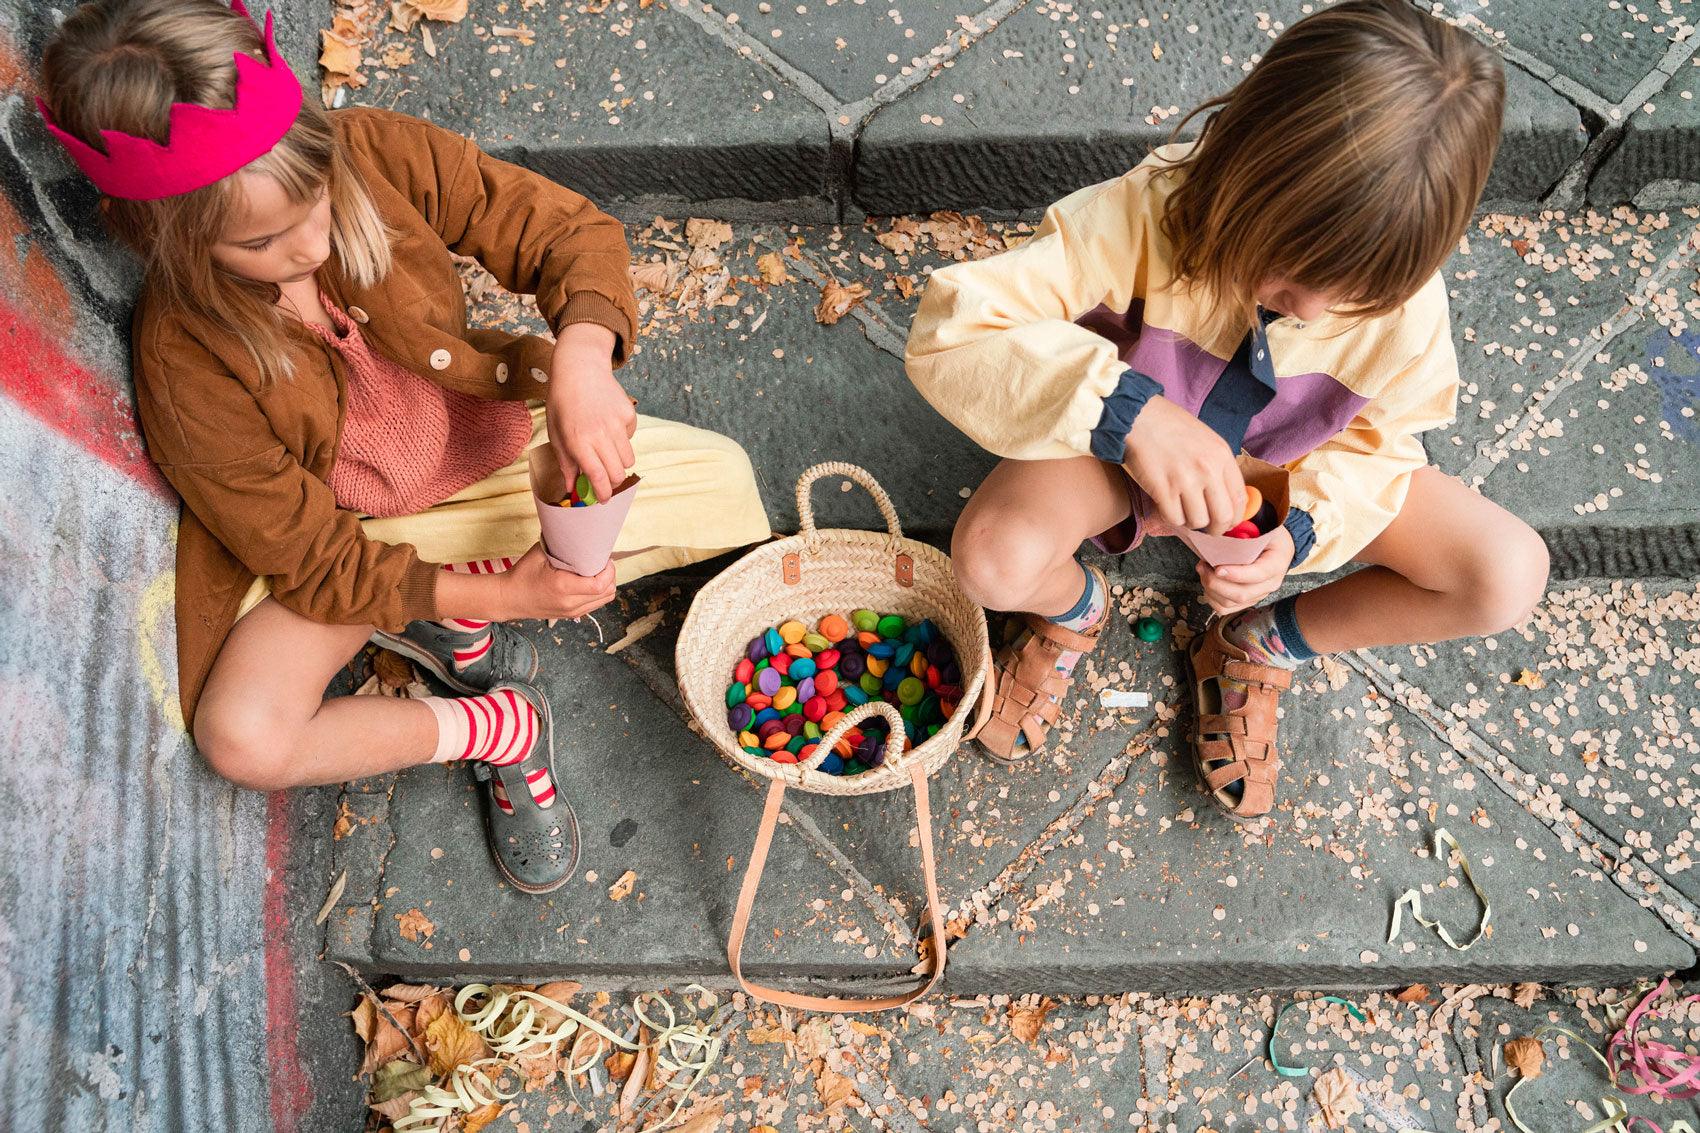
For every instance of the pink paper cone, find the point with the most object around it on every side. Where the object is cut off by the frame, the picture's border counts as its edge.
(579, 539)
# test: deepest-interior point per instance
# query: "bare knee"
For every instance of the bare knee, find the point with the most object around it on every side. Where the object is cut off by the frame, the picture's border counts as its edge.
(1001, 559)
(247, 745)
(1506, 581)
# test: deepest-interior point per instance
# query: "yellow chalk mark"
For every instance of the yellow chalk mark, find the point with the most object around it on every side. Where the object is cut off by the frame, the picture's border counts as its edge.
(156, 602)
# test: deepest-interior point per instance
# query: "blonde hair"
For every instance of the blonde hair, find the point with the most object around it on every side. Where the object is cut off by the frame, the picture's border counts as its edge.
(120, 65)
(1348, 161)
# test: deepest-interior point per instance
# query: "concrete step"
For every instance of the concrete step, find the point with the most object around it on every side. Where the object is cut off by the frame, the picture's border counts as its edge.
(1102, 867)
(1098, 869)
(816, 112)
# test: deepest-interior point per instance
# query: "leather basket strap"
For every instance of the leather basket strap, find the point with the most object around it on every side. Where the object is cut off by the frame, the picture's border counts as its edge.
(752, 882)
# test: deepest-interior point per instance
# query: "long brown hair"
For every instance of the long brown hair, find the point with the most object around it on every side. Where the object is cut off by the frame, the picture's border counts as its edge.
(120, 65)
(1348, 161)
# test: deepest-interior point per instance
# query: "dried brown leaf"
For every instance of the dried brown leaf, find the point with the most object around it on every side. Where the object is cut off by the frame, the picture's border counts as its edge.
(638, 630)
(814, 1038)
(622, 888)
(836, 301)
(414, 924)
(619, 1065)
(384, 1042)
(707, 233)
(393, 670)
(1528, 678)
(448, 11)
(479, 1118)
(1026, 1020)
(1524, 995)
(655, 276)
(765, 1034)
(339, 58)
(772, 268)
(1336, 1096)
(449, 1043)
(410, 993)
(1526, 1056)
(835, 1090)
(1416, 993)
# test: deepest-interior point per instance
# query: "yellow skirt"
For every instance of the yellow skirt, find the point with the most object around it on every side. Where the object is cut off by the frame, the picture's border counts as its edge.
(698, 499)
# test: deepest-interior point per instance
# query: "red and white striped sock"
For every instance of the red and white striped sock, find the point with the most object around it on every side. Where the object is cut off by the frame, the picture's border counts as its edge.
(499, 728)
(542, 790)
(480, 645)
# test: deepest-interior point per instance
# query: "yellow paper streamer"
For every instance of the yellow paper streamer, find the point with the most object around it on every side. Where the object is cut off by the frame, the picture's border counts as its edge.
(1414, 898)
(512, 1025)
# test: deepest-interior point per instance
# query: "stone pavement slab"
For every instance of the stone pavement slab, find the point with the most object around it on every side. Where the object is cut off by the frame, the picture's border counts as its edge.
(889, 108)
(1602, 723)
(1064, 95)
(627, 103)
(1658, 155)
(1619, 442)
(1606, 45)
(853, 49)
(1154, 889)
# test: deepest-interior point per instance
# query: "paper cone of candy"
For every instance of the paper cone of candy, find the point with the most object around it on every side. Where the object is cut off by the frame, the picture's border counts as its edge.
(579, 530)
(1265, 512)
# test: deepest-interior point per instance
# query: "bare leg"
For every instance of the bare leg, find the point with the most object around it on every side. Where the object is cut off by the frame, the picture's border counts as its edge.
(1015, 543)
(263, 722)
(1451, 564)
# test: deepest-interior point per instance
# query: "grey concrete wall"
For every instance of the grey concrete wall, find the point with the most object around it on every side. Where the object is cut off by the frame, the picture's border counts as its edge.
(136, 922)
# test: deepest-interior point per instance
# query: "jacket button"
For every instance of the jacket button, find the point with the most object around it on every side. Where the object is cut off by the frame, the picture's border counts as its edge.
(440, 359)
(359, 315)
(538, 375)
(501, 371)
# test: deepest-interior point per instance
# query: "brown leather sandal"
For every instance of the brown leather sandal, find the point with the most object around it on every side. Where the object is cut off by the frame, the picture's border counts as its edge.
(1235, 746)
(1030, 691)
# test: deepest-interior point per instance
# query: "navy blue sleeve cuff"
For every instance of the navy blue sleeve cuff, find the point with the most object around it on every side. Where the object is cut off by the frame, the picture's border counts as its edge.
(1299, 526)
(1109, 439)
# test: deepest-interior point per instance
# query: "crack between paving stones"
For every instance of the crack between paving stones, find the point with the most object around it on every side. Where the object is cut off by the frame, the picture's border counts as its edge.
(953, 46)
(887, 911)
(1571, 188)
(1031, 856)
(1493, 453)
(340, 860)
(1588, 838)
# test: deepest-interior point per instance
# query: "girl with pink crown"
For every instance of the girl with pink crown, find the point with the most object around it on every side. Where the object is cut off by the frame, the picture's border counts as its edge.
(350, 455)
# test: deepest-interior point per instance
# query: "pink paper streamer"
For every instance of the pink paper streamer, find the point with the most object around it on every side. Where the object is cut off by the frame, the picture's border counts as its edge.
(1657, 1068)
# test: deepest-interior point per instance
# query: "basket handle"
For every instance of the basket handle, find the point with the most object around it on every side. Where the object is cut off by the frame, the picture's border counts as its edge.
(895, 746)
(752, 881)
(895, 753)
(806, 508)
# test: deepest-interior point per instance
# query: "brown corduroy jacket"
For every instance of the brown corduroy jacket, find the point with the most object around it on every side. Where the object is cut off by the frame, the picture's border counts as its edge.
(251, 462)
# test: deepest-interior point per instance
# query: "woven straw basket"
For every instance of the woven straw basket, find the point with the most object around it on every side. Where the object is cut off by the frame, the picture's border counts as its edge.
(805, 577)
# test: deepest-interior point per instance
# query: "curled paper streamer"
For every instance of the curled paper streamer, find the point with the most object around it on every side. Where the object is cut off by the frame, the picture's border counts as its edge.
(1275, 1059)
(1655, 1067)
(1414, 899)
(512, 1025)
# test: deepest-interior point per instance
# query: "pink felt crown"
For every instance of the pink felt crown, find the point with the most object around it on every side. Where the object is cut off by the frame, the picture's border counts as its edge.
(203, 144)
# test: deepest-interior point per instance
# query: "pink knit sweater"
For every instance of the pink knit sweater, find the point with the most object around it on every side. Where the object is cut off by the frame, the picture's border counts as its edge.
(408, 443)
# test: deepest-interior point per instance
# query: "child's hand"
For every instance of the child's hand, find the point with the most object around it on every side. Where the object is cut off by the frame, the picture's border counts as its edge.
(591, 420)
(1230, 589)
(534, 589)
(1188, 471)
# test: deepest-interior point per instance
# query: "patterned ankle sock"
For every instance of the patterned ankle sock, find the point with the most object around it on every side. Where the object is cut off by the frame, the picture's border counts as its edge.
(498, 727)
(1270, 635)
(480, 644)
(1086, 612)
